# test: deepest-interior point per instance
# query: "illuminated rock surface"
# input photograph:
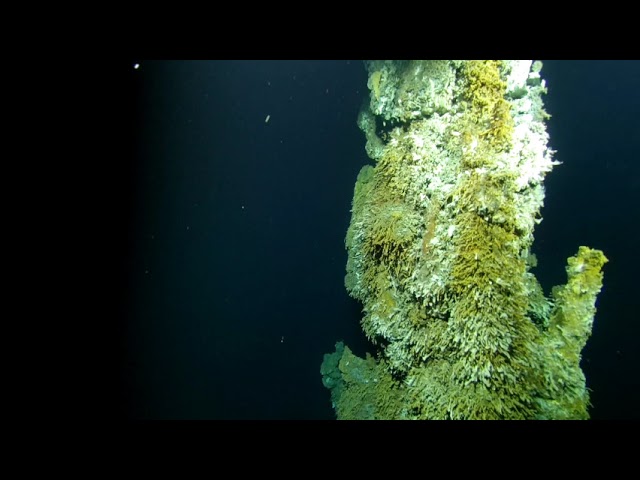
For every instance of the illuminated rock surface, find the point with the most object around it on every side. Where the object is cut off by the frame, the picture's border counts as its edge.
(439, 253)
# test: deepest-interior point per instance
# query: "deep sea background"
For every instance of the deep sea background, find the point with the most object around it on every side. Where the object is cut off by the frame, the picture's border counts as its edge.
(234, 231)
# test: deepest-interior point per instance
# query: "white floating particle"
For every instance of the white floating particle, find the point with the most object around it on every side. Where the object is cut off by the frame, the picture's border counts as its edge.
(136, 66)
(266, 120)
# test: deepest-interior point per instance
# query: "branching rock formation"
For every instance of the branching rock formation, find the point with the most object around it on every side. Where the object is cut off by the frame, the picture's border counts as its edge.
(439, 253)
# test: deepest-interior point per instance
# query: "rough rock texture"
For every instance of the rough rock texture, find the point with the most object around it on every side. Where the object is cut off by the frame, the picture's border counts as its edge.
(439, 253)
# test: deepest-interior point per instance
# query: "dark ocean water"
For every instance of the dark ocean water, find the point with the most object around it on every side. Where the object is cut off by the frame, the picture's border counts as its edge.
(236, 230)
